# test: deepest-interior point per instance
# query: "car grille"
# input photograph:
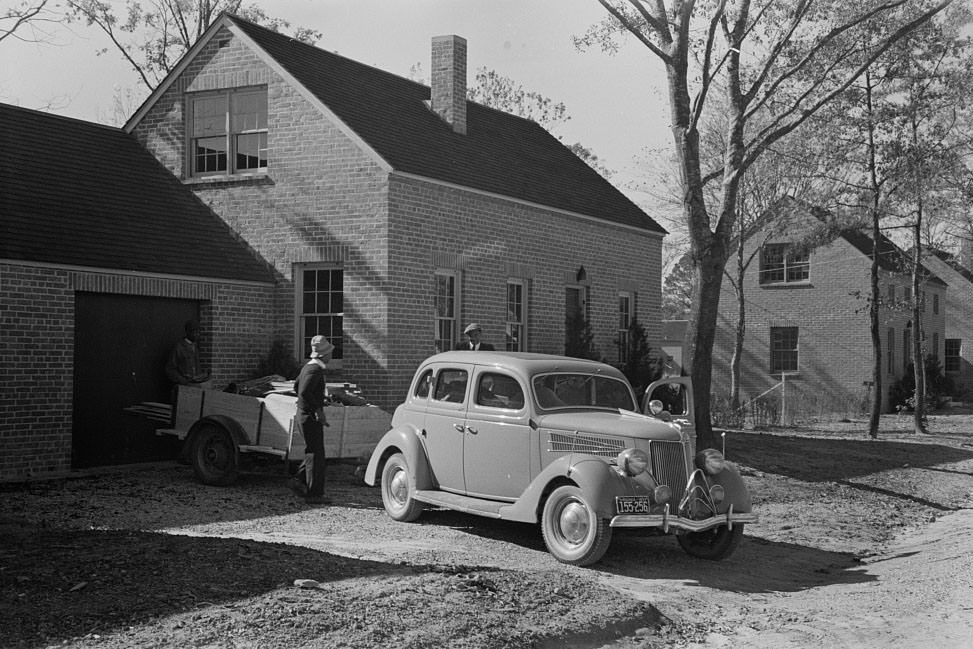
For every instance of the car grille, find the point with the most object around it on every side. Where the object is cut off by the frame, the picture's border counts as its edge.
(669, 466)
(576, 443)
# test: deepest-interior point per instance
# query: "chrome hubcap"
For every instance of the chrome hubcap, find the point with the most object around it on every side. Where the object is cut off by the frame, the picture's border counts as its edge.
(573, 522)
(399, 487)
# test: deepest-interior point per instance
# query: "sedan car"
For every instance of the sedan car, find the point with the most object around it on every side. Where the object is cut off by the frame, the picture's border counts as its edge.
(561, 442)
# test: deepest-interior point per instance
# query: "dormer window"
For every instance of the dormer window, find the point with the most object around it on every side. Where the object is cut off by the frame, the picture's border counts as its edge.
(228, 133)
(779, 265)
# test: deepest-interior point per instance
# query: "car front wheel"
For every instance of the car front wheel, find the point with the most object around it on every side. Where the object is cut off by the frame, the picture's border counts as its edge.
(397, 494)
(713, 544)
(572, 530)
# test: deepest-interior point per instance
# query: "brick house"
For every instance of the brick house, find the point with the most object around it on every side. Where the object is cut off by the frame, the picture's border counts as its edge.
(275, 191)
(103, 257)
(957, 352)
(807, 319)
(395, 213)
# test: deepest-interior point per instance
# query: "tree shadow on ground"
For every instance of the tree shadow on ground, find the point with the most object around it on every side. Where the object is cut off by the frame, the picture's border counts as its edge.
(816, 459)
(60, 584)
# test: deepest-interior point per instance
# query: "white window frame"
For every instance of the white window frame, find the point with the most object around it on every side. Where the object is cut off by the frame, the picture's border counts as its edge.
(791, 268)
(952, 359)
(512, 321)
(302, 336)
(447, 320)
(230, 131)
(776, 364)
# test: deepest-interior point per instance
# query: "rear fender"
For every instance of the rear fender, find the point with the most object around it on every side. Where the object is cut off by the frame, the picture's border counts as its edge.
(597, 479)
(404, 440)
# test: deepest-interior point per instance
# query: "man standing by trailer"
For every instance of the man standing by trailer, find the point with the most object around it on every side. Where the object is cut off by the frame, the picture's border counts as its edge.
(310, 388)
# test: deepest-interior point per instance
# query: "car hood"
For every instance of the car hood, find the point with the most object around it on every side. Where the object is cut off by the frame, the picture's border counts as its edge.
(603, 422)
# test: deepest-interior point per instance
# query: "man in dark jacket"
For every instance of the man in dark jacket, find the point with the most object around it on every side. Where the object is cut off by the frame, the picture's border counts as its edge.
(473, 332)
(309, 386)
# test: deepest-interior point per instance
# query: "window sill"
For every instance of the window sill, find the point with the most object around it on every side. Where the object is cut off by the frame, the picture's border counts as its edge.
(258, 178)
(804, 284)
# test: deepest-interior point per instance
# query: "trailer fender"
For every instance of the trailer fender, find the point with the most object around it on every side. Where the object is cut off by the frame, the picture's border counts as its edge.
(404, 440)
(228, 424)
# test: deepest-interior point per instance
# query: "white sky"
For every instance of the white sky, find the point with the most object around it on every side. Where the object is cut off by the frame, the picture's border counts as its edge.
(617, 104)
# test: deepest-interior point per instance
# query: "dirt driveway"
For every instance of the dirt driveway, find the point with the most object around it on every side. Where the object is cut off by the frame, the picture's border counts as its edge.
(861, 544)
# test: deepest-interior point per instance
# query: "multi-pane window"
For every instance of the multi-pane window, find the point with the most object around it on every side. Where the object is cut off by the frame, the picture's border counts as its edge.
(516, 323)
(935, 346)
(779, 265)
(447, 310)
(951, 356)
(321, 293)
(228, 132)
(783, 349)
(935, 303)
(624, 326)
(890, 352)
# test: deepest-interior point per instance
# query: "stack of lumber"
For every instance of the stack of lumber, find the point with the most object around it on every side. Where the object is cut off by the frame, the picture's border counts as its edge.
(152, 410)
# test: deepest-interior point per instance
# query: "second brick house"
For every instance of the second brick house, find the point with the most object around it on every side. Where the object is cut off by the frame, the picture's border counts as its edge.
(394, 212)
(808, 345)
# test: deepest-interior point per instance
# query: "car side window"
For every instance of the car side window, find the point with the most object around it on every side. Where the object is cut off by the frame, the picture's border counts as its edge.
(499, 391)
(672, 398)
(451, 386)
(422, 386)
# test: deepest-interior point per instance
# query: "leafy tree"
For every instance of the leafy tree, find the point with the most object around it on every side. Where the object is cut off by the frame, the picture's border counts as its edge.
(677, 290)
(782, 61)
(153, 39)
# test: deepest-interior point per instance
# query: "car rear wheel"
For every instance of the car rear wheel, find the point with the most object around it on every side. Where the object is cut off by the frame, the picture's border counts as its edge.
(397, 493)
(572, 530)
(713, 544)
(214, 456)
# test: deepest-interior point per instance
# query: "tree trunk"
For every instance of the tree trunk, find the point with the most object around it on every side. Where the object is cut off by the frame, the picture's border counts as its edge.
(741, 329)
(873, 310)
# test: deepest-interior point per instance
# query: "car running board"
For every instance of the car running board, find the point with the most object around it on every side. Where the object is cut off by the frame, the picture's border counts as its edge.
(490, 508)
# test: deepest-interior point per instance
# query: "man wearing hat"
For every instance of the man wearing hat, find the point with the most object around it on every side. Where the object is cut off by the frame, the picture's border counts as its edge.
(309, 387)
(473, 332)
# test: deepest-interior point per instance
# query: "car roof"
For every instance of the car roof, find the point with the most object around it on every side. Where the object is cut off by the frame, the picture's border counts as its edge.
(527, 363)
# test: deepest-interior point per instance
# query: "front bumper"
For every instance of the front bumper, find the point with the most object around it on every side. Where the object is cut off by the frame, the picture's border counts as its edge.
(666, 521)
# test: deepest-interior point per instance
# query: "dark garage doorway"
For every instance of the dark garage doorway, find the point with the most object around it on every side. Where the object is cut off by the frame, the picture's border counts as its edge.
(120, 347)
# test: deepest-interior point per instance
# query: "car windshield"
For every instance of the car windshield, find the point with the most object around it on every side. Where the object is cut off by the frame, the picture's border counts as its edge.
(574, 390)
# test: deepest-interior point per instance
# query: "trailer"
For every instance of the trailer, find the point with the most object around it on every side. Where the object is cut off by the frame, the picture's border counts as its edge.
(221, 430)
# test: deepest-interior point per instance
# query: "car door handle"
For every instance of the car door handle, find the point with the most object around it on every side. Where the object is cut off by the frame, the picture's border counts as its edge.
(459, 427)
(472, 430)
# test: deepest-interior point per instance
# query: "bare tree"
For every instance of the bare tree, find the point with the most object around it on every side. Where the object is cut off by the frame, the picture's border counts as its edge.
(783, 60)
(153, 36)
(27, 21)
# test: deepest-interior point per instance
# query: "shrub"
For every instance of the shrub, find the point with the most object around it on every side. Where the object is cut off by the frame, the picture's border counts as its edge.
(938, 386)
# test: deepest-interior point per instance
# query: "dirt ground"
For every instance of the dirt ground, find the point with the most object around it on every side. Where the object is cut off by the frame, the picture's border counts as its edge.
(861, 543)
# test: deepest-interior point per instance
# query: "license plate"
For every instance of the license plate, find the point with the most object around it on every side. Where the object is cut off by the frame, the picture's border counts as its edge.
(632, 504)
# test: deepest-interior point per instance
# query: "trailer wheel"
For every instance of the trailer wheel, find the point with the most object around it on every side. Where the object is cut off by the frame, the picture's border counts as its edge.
(214, 456)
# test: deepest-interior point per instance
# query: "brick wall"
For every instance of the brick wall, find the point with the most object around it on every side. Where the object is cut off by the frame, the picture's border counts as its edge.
(958, 307)
(37, 350)
(835, 346)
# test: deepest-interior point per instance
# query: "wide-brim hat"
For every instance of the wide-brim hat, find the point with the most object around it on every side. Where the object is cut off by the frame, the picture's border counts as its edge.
(472, 327)
(320, 346)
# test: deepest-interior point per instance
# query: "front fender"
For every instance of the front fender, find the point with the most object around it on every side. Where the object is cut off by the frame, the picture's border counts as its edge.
(404, 440)
(736, 490)
(598, 479)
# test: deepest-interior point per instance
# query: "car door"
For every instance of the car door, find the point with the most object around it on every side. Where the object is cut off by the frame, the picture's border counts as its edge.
(445, 424)
(496, 455)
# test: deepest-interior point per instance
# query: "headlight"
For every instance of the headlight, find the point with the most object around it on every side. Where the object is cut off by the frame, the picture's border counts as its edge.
(710, 461)
(633, 461)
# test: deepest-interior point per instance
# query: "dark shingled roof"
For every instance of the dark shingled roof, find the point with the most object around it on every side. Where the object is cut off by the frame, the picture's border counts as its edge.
(500, 153)
(81, 194)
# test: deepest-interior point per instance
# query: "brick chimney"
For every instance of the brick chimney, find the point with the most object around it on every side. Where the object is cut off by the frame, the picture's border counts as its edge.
(448, 94)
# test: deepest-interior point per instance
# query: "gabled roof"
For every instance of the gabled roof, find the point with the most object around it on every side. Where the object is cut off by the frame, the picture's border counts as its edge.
(75, 193)
(500, 154)
(952, 261)
(891, 258)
